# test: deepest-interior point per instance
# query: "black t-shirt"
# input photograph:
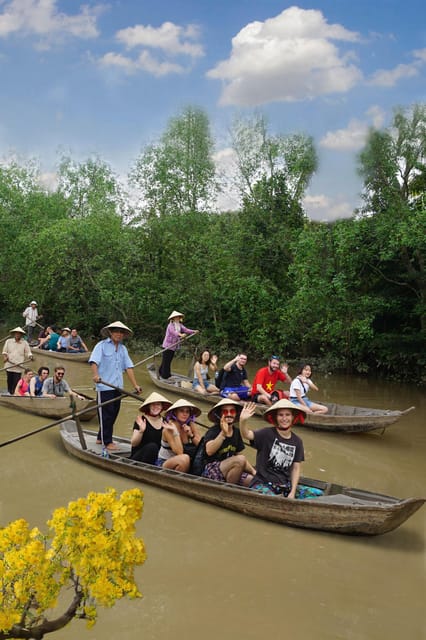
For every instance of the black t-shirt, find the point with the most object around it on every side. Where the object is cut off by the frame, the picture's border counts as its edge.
(276, 455)
(234, 378)
(229, 447)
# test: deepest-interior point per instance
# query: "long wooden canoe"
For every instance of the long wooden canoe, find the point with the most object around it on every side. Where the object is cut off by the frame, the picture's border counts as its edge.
(340, 510)
(341, 418)
(61, 355)
(53, 408)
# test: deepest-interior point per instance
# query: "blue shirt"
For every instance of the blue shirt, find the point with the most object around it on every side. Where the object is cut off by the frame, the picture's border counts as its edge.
(111, 363)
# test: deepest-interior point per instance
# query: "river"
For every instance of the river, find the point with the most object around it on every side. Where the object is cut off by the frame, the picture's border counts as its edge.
(211, 573)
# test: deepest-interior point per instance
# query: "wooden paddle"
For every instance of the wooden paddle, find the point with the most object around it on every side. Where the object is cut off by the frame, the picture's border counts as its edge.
(157, 353)
(72, 416)
(12, 364)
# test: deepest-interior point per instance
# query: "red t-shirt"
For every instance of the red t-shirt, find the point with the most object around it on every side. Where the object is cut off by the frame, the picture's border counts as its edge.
(267, 379)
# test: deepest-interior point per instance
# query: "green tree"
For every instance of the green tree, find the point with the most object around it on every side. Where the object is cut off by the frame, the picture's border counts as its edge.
(177, 174)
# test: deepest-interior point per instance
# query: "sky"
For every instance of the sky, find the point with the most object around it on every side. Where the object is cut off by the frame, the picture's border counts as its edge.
(104, 78)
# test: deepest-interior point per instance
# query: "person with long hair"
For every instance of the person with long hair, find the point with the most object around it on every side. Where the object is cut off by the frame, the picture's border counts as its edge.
(299, 391)
(201, 383)
(23, 386)
(180, 436)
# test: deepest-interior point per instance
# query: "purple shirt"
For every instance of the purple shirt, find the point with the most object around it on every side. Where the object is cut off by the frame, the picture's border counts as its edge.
(172, 338)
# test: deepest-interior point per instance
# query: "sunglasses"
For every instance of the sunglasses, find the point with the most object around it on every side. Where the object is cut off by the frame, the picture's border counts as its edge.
(60, 373)
(229, 412)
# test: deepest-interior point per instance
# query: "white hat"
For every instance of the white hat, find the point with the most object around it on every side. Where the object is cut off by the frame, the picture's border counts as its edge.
(17, 330)
(212, 414)
(270, 413)
(175, 314)
(156, 397)
(66, 329)
(185, 403)
(33, 302)
(116, 325)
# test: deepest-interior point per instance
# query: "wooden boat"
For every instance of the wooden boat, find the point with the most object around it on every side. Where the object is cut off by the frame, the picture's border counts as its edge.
(61, 355)
(53, 408)
(339, 510)
(340, 418)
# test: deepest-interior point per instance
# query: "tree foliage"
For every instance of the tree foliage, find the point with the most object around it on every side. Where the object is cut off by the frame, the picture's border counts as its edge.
(262, 278)
(177, 174)
(86, 560)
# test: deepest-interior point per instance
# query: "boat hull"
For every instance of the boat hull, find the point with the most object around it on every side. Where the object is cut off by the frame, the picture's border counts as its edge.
(61, 355)
(341, 510)
(339, 419)
(53, 408)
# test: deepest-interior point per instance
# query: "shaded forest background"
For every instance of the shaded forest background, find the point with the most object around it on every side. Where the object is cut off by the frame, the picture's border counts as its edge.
(347, 295)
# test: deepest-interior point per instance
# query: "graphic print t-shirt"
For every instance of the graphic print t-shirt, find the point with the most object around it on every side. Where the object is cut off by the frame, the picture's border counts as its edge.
(276, 455)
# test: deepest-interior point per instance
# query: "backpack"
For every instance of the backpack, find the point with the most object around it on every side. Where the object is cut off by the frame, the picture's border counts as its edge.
(198, 461)
(220, 378)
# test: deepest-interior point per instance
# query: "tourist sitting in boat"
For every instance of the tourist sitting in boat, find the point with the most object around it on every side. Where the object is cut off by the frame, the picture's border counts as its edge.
(299, 389)
(75, 343)
(263, 389)
(234, 381)
(63, 340)
(201, 383)
(36, 383)
(280, 452)
(180, 436)
(223, 446)
(23, 386)
(147, 429)
(51, 340)
(57, 386)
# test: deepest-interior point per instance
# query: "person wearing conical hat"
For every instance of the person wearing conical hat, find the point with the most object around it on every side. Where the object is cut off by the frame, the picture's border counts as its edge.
(224, 446)
(108, 360)
(180, 436)
(147, 428)
(16, 351)
(175, 332)
(31, 316)
(280, 452)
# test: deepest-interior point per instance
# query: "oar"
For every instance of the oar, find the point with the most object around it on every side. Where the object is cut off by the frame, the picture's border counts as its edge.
(73, 415)
(157, 353)
(12, 364)
(122, 391)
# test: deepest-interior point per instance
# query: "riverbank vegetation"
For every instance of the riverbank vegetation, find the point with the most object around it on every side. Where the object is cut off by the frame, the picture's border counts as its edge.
(263, 277)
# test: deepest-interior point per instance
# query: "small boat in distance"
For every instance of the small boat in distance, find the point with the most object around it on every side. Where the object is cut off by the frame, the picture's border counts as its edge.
(61, 355)
(52, 408)
(341, 418)
(341, 509)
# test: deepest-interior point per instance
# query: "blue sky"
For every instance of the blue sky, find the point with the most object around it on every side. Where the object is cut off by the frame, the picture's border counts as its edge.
(104, 77)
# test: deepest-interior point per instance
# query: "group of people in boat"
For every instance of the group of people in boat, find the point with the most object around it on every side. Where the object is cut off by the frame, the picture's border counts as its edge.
(65, 341)
(232, 380)
(167, 435)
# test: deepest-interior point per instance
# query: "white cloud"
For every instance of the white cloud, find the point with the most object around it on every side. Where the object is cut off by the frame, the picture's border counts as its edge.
(322, 208)
(353, 137)
(171, 41)
(42, 18)
(144, 62)
(170, 38)
(390, 77)
(287, 58)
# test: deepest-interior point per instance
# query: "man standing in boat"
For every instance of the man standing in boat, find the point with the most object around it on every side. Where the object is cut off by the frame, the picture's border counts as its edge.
(16, 351)
(108, 360)
(31, 316)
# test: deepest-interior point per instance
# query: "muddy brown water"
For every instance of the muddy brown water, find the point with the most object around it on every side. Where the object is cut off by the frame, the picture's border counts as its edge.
(211, 573)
